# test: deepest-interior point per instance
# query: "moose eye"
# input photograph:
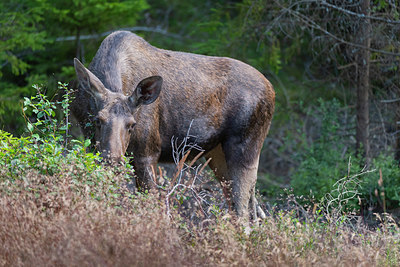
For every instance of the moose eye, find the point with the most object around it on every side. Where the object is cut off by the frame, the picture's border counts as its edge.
(97, 121)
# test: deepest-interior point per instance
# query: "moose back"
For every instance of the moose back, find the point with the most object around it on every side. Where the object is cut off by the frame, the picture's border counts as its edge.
(139, 97)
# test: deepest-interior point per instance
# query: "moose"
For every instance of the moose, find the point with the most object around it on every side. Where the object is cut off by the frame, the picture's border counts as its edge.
(138, 97)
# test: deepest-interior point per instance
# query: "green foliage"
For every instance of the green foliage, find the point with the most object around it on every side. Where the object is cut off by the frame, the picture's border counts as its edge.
(21, 35)
(325, 167)
(77, 17)
(271, 187)
(382, 188)
(19, 32)
(45, 149)
(49, 151)
(227, 28)
(46, 126)
(321, 162)
(32, 48)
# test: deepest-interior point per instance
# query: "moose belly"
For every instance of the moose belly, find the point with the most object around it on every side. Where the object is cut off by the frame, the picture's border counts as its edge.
(195, 135)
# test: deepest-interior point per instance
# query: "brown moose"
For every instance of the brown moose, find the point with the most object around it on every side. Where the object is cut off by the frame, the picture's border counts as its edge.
(139, 97)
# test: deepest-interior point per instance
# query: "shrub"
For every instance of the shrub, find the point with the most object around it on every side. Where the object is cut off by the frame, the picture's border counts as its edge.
(382, 187)
(46, 151)
(324, 161)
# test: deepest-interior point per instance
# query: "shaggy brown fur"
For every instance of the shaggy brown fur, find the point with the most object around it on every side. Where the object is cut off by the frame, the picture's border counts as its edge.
(229, 104)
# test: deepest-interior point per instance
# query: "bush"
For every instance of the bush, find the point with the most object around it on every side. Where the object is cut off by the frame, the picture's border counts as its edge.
(326, 160)
(47, 150)
(382, 187)
(322, 161)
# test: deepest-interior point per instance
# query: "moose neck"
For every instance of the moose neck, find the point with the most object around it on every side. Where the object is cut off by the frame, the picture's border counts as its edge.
(105, 65)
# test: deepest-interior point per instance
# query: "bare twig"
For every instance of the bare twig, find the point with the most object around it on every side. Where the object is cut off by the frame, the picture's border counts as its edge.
(346, 189)
(137, 28)
(357, 14)
(178, 185)
(314, 25)
(390, 100)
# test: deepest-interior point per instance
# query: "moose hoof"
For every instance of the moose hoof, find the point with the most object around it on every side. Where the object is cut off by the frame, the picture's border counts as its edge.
(260, 213)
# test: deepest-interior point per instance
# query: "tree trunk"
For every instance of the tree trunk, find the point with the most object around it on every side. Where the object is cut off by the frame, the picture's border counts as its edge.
(363, 86)
(397, 121)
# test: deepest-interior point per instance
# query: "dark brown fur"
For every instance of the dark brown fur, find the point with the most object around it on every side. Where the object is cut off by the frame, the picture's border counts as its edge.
(229, 103)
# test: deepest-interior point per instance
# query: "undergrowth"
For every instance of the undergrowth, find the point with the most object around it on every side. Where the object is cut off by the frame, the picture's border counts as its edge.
(325, 160)
(60, 206)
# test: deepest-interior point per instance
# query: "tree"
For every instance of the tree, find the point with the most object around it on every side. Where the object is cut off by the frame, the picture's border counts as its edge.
(20, 35)
(82, 17)
(343, 39)
(33, 48)
(363, 80)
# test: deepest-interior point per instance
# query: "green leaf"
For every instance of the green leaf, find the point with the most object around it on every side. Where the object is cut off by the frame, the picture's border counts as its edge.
(30, 126)
(27, 101)
(87, 142)
(40, 114)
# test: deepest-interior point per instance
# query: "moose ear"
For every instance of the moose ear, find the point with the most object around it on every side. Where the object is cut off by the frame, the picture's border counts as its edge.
(88, 81)
(147, 91)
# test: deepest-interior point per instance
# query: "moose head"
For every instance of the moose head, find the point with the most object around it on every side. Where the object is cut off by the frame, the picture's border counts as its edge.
(114, 117)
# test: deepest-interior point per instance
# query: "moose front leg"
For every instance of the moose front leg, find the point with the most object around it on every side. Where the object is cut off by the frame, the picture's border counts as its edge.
(144, 167)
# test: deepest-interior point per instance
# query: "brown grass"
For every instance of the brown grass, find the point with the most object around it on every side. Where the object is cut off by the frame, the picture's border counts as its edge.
(53, 221)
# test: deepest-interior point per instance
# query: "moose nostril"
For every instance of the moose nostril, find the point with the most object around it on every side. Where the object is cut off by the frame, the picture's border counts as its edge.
(97, 120)
(130, 125)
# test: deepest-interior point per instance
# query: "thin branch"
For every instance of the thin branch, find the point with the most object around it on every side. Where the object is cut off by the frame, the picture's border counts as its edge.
(359, 15)
(137, 28)
(314, 25)
(390, 100)
(323, 2)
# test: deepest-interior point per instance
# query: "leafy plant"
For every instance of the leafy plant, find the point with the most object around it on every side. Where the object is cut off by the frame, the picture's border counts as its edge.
(325, 168)
(321, 162)
(382, 188)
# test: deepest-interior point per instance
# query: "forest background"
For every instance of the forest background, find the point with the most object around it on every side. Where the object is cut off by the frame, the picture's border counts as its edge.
(334, 66)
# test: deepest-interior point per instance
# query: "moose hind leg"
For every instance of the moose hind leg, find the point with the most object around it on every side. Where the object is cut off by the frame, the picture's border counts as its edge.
(255, 208)
(242, 163)
(253, 204)
(219, 167)
(243, 182)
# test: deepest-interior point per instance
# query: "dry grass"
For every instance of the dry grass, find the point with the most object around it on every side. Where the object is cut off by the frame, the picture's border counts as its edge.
(54, 221)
